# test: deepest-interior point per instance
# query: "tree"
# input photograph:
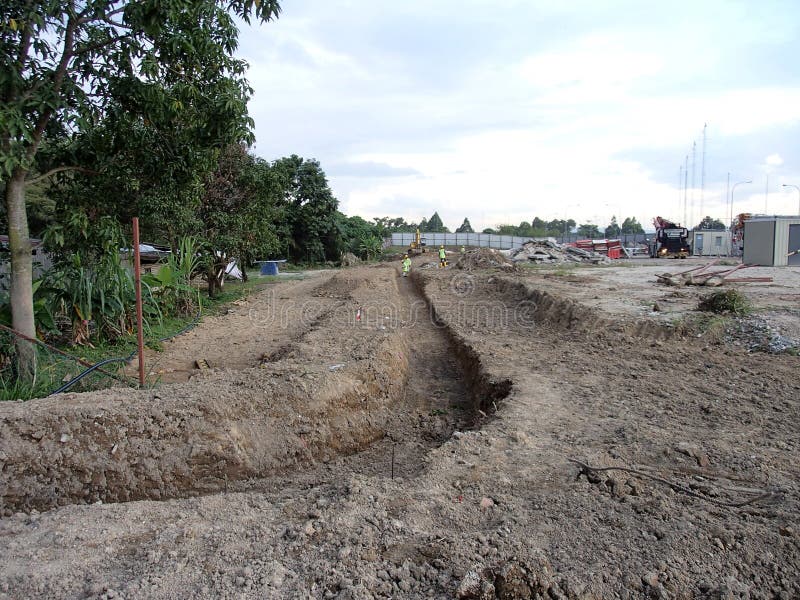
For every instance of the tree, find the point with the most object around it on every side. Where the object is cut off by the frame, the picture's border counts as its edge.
(613, 229)
(589, 231)
(711, 224)
(631, 225)
(239, 212)
(64, 60)
(358, 236)
(465, 227)
(311, 210)
(434, 224)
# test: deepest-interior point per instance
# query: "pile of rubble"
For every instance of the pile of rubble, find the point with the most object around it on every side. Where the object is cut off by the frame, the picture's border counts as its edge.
(550, 252)
(702, 276)
(483, 258)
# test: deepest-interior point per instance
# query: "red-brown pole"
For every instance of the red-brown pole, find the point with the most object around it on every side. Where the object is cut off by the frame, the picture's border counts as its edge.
(137, 277)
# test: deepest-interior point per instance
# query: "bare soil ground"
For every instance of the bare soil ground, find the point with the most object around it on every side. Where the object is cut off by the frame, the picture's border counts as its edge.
(363, 435)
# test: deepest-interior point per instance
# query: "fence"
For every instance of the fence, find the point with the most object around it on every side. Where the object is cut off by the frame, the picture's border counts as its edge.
(489, 240)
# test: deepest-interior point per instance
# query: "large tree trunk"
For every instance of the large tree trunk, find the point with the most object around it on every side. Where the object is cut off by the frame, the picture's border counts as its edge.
(21, 274)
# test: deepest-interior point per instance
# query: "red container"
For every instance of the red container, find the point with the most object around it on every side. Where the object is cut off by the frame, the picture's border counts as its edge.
(613, 253)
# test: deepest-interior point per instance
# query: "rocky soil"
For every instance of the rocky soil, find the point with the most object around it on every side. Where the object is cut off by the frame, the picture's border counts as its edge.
(473, 434)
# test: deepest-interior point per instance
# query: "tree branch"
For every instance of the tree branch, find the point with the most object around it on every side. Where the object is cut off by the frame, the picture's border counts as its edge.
(52, 172)
(58, 81)
(98, 45)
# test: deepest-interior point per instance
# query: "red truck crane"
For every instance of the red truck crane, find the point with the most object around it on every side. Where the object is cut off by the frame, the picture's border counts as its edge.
(672, 240)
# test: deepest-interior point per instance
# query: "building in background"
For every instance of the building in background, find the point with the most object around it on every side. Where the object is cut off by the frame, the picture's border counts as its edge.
(710, 242)
(772, 241)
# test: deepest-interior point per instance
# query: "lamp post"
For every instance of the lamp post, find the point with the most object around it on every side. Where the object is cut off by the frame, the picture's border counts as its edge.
(733, 189)
(798, 194)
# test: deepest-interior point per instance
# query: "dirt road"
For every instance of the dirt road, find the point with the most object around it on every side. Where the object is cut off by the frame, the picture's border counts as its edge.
(371, 436)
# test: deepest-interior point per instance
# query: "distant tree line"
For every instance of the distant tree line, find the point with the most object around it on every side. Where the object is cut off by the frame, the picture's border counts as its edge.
(561, 227)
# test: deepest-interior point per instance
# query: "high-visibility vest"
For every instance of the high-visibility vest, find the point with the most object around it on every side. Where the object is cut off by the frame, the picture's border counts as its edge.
(442, 253)
(406, 264)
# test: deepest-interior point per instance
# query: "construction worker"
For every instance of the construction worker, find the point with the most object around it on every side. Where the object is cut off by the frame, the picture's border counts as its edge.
(463, 250)
(442, 257)
(406, 265)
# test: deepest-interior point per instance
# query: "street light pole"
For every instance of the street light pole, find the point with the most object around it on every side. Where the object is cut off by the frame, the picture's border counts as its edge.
(733, 189)
(798, 194)
(728, 200)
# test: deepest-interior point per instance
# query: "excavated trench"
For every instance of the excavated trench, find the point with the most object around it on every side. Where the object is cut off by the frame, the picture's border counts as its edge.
(401, 391)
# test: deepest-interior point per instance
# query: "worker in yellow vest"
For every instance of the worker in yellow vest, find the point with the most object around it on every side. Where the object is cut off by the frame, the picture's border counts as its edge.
(442, 257)
(406, 265)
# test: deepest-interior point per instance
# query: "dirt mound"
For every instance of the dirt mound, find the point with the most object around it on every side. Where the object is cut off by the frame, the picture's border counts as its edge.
(483, 258)
(342, 285)
(535, 447)
(350, 260)
(195, 437)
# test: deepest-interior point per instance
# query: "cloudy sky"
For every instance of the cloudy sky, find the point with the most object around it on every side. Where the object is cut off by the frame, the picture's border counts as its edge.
(502, 110)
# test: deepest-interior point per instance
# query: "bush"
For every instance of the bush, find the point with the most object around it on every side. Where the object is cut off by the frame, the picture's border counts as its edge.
(171, 285)
(725, 301)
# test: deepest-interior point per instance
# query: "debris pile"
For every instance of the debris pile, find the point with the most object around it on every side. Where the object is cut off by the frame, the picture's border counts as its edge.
(550, 252)
(483, 258)
(350, 260)
(701, 276)
(757, 334)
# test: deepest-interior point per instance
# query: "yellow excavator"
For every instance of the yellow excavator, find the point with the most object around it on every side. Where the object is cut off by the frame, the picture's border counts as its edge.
(418, 245)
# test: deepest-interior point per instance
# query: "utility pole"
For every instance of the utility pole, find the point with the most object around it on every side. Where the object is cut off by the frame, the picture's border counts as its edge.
(685, 188)
(703, 172)
(694, 165)
(728, 200)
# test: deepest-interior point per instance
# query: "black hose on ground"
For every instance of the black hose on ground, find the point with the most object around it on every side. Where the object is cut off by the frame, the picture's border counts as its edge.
(128, 358)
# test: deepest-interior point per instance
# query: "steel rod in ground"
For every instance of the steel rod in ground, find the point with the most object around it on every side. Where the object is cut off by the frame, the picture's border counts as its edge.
(137, 271)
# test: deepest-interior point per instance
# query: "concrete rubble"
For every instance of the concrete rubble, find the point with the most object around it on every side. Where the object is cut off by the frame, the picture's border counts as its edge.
(483, 258)
(548, 251)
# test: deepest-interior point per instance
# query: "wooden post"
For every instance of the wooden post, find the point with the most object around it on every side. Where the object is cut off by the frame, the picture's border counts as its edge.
(137, 277)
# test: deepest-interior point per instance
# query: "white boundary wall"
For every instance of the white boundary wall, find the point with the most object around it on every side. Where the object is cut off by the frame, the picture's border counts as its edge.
(486, 240)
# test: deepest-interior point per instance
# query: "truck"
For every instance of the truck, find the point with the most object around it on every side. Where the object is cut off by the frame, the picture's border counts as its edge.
(671, 241)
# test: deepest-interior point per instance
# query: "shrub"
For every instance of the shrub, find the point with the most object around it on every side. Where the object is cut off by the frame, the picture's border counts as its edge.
(725, 301)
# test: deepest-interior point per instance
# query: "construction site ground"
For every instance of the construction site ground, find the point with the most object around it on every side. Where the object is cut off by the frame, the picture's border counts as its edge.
(482, 433)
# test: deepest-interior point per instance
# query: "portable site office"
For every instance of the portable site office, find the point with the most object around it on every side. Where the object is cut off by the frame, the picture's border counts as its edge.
(772, 241)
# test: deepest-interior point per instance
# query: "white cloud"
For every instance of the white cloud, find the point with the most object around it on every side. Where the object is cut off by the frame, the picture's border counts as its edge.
(537, 122)
(774, 160)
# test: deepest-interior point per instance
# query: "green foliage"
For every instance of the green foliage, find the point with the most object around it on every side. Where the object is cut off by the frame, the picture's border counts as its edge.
(42, 309)
(311, 210)
(631, 225)
(465, 227)
(388, 225)
(589, 231)
(149, 65)
(88, 282)
(710, 224)
(241, 214)
(613, 229)
(370, 247)
(63, 49)
(725, 301)
(433, 225)
(538, 228)
(171, 284)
